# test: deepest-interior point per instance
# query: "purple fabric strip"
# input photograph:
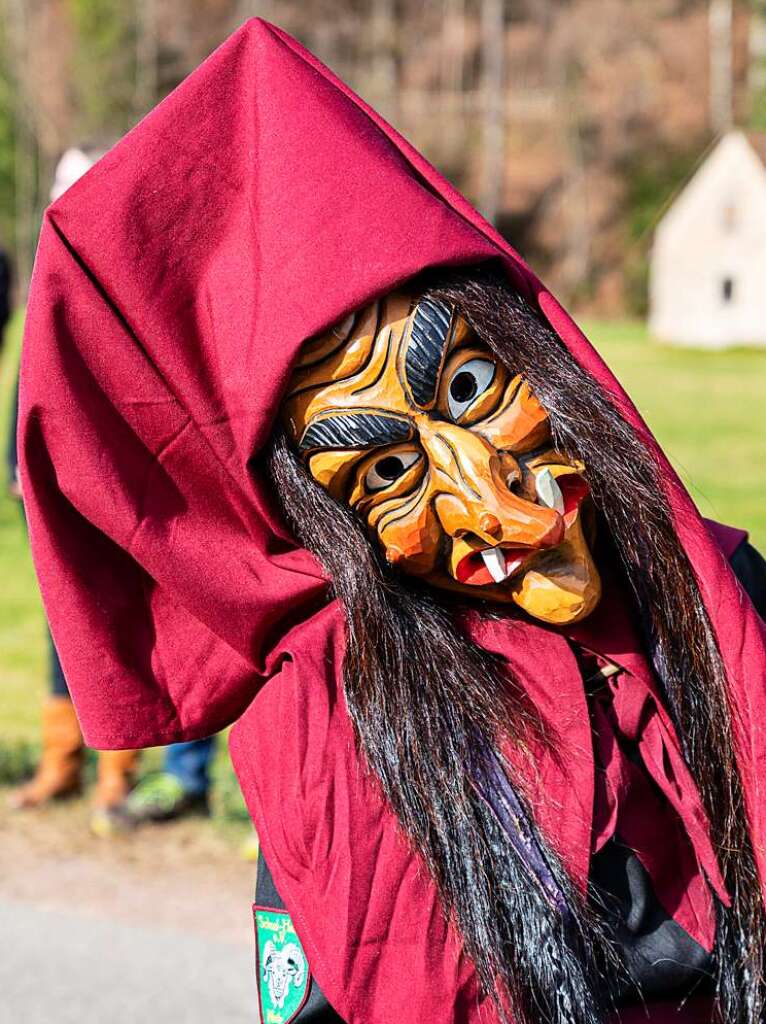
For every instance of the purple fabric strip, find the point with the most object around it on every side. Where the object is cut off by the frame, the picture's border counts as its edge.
(495, 787)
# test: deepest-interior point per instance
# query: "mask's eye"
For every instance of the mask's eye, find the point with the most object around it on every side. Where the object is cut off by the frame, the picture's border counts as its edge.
(469, 381)
(389, 468)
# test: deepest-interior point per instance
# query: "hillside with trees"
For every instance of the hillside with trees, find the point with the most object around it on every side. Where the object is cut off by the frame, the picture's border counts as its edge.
(569, 122)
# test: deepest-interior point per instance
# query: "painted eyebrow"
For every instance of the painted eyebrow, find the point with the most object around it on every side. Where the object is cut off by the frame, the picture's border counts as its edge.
(354, 430)
(426, 349)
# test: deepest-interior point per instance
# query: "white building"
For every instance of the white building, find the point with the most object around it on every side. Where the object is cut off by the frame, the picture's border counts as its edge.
(708, 264)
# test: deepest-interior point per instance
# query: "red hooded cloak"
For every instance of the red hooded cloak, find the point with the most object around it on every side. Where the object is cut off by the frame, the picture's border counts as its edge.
(175, 283)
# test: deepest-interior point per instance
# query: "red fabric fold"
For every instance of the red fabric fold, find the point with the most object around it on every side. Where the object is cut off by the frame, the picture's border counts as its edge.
(651, 826)
(667, 827)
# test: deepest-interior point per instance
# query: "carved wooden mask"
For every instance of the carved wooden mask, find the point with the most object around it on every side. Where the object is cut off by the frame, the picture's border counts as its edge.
(403, 414)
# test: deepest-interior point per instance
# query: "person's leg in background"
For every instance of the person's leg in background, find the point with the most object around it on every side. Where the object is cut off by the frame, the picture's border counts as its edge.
(180, 789)
(190, 763)
(59, 772)
(115, 776)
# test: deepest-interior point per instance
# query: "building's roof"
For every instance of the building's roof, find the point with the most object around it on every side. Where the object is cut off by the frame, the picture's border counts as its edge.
(758, 141)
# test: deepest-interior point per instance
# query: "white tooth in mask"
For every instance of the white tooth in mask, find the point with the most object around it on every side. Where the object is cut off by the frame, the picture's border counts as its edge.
(494, 559)
(548, 491)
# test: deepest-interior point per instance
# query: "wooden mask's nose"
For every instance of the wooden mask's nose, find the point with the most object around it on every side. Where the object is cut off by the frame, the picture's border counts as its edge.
(472, 492)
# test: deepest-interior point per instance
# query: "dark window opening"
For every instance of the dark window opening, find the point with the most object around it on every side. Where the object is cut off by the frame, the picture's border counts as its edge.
(727, 289)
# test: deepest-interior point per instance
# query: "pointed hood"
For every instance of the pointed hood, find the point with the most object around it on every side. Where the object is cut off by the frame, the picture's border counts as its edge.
(174, 285)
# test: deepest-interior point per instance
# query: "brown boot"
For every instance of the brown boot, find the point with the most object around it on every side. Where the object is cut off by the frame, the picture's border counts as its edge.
(116, 775)
(60, 768)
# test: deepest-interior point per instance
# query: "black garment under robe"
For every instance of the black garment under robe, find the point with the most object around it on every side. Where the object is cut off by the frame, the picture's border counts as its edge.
(662, 959)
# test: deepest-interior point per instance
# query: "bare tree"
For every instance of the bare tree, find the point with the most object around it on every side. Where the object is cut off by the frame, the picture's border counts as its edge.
(147, 55)
(493, 106)
(581, 92)
(453, 47)
(38, 43)
(721, 15)
(756, 71)
(255, 9)
(17, 36)
(383, 32)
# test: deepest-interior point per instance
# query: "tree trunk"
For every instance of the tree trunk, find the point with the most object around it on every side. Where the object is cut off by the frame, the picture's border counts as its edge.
(493, 106)
(721, 15)
(147, 57)
(255, 9)
(756, 71)
(383, 37)
(25, 149)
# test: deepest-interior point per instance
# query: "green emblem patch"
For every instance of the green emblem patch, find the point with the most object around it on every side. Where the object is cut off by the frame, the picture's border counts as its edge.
(283, 973)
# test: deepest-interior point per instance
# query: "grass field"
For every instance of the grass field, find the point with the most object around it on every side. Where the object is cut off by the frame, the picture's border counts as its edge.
(707, 410)
(22, 634)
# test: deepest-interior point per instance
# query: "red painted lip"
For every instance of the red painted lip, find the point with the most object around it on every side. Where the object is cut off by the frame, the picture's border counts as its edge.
(575, 490)
(471, 568)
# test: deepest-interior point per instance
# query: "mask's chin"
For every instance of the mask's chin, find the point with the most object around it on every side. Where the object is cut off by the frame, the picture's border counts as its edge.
(563, 586)
(560, 586)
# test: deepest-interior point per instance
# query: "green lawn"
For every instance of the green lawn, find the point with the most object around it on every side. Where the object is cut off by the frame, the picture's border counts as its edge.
(706, 409)
(22, 634)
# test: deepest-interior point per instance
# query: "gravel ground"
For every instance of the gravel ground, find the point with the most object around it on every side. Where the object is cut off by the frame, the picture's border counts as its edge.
(153, 927)
(69, 968)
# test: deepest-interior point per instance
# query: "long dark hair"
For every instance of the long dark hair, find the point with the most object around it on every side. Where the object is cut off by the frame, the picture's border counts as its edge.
(431, 708)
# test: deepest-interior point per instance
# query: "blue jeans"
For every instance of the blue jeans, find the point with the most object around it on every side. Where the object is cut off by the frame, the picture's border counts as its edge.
(59, 687)
(58, 683)
(190, 763)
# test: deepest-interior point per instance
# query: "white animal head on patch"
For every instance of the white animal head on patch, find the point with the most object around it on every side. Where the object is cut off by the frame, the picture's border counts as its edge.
(280, 968)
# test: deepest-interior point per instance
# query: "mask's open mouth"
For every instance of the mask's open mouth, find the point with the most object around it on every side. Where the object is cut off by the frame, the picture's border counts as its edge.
(498, 564)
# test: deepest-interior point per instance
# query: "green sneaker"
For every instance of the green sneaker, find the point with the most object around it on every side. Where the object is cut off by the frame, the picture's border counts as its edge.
(249, 849)
(161, 797)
